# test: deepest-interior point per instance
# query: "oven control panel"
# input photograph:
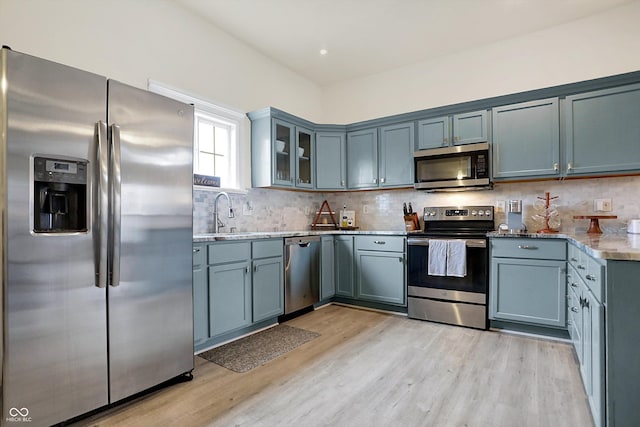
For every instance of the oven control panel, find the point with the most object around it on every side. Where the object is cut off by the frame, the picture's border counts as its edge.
(459, 213)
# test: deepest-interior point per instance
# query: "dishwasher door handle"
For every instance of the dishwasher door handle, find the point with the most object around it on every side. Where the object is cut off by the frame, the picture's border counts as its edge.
(304, 244)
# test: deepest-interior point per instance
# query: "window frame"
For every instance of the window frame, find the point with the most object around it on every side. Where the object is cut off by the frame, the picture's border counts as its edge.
(221, 114)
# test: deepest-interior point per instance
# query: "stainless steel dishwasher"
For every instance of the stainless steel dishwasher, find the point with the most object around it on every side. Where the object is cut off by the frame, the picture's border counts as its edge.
(302, 272)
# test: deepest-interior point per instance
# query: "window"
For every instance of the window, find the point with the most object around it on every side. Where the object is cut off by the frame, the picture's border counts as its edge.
(216, 137)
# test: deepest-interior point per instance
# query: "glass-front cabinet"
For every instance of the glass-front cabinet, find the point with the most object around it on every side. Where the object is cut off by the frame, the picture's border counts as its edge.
(283, 153)
(304, 158)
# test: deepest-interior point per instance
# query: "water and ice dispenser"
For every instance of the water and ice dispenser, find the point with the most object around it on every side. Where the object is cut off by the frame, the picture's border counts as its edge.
(60, 195)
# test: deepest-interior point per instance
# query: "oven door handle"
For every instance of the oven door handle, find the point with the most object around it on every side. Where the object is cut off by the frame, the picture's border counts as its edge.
(471, 243)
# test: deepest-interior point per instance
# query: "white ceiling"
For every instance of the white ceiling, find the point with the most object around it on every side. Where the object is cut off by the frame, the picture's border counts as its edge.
(370, 36)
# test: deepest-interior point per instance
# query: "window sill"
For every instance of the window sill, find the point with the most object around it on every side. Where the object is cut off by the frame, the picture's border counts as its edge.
(219, 189)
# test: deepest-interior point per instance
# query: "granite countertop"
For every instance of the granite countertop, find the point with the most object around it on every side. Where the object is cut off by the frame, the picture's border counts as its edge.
(214, 237)
(613, 246)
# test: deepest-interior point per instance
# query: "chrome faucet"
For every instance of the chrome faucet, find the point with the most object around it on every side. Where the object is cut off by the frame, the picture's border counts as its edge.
(217, 224)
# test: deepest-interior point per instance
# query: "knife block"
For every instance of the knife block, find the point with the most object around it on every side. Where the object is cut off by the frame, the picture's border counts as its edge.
(411, 222)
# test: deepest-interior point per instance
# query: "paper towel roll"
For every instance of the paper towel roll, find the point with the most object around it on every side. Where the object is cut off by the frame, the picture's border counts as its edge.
(634, 226)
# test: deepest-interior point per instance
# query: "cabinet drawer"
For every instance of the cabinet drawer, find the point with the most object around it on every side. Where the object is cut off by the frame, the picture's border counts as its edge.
(529, 248)
(267, 248)
(380, 243)
(574, 255)
(594, 278)
(223, 252)
(198, 254)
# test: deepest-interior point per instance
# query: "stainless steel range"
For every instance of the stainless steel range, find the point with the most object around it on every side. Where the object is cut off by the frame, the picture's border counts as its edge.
(448, 266)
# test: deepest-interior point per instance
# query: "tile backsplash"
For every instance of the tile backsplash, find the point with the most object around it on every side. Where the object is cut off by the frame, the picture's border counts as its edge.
(281, 210)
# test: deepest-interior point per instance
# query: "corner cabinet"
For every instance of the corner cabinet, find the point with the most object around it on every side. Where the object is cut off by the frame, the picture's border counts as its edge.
(381, 157)
(459, 129)
(528, 281)
(282, 152)
(526, 139)
(331, 161)
(602, 131)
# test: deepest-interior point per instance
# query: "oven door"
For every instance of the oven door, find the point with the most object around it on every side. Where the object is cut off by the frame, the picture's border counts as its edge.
(471, 288)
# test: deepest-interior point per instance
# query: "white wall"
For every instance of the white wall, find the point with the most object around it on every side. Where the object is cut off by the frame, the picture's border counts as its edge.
(134, 40)
(597, 46)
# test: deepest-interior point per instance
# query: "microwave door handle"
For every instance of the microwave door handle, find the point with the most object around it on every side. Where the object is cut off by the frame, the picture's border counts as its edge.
(116, 211)
(101, 205)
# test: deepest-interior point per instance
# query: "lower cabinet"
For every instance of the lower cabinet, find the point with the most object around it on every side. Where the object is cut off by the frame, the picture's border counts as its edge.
(229, 297)
(268, 288)
(236, 285)
(344, 265)
(585, 282)
(528, 281)
(327, 268)
(380, 267)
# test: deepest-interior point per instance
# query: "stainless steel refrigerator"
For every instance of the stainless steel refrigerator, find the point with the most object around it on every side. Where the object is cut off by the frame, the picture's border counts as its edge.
(96, 232)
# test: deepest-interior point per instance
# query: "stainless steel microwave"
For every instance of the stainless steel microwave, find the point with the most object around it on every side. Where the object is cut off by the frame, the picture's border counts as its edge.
(462, 167)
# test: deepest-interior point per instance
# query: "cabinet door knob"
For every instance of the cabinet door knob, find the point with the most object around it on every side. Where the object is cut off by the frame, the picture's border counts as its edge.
(581, 267)
(573, 285)
(382, 180)
(400, 259)
(590, 277)
(555, 167)
(375, 180)
(246, 269)
(445, 141)
(569, 166)
(573, 259)
(575, 310)
(196, 250)
(342, 183)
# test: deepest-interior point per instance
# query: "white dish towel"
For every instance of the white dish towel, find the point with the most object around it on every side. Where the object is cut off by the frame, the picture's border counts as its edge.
(456, 258)
(437, 265)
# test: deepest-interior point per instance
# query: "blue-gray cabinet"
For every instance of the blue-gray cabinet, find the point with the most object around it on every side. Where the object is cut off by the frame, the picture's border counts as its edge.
(396, 155)
(383, 162)
(267, 287)
(305, 164)
(586, 283)
(381, 269)
(602, 131)
(200, 294)
(459, 129)
(528, 281)
(526, 139)
(327, 268)
(344, 266)
(362, 158)
(229, 297)
(331, 161)
(236, 285)
(282, 152)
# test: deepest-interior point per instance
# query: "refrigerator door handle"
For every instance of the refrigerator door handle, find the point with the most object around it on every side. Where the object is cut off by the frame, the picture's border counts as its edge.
(115, 203)
(100, 206)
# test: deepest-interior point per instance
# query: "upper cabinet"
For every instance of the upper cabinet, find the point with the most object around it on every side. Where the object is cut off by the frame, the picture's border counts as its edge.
(383, 162)
(526, 139)
(602, 131)
(282, 153)
(331, 161)
(362, 158)
(459, 129)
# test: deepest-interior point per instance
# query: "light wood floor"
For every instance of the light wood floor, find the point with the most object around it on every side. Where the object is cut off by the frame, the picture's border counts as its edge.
(374, 369)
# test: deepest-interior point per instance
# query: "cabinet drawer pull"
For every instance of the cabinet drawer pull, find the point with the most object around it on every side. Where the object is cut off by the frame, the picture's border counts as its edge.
(527, 247)
(590, 277)
(379, 242)
(573, 259)
(573, 285)
(581, 267)
(196, 250)
(575, 310)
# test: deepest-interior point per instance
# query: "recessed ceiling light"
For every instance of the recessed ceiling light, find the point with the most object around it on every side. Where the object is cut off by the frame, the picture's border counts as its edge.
(323, 52)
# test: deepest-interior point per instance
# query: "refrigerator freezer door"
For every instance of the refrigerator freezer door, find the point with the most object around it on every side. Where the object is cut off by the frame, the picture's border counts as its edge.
(55, 343)
(151, 305)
